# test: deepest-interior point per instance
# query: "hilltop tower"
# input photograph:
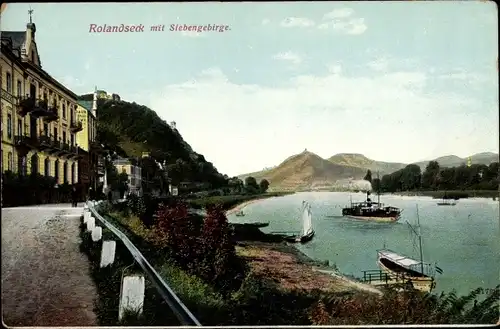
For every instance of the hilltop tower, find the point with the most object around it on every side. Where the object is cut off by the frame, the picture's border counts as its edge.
(94, 103)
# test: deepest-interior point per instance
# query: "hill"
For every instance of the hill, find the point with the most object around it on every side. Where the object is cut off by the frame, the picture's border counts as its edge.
(485, 158)
(361, 161)
(306, 171)
(130, 129)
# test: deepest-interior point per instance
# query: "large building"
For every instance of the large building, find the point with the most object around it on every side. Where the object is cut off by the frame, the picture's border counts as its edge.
(87, 142)
(134, 175)
(39, 114)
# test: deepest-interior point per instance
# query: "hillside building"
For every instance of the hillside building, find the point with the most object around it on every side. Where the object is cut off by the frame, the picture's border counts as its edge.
(134, 175)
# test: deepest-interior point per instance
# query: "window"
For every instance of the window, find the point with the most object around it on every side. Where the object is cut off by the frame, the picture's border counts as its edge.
(47, 167)
(10, 162)
(19, 88)
(64, 137)
(19, 127)
(65, 172)
(46, 129)
(73, 174)
(9, 125)
(72, 139)
(64, 110)
(21, 165)
(56, 171)
(34, 164)
(8, 77)
(55, 134)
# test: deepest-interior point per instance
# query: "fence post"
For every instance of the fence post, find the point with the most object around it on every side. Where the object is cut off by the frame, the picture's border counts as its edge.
(107, 253)
(132, 295)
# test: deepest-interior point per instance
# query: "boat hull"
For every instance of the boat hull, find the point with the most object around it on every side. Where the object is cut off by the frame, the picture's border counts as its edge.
(300, 239)
(375, 219)
(420, 283)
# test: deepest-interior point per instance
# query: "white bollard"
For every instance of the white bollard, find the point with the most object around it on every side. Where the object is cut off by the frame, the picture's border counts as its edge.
(90, 224)
(86, 216)
(108, 253)
(132, 294)
(96, 233)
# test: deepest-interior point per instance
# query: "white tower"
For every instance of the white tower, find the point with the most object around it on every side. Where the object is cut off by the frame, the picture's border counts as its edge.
(94, 103)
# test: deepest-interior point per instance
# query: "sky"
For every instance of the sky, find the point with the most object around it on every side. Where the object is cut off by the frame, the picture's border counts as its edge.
(395, 81)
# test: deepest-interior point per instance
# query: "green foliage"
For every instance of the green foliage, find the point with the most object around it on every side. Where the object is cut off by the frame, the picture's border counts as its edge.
(410, 178)
(19, 190)
(264, 185)
(141, 130)
(368, 176)
(409, 307)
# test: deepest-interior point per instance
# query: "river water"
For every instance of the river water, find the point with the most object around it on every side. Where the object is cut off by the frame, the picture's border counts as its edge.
(462, 239)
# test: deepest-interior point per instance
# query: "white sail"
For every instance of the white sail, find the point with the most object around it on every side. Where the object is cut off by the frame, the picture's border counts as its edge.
(306, 219)
(309, 220)
(305, 215)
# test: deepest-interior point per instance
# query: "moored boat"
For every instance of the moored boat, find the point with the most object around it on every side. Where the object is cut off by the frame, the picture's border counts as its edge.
(307, 232)
(240, 213)
(406, 270)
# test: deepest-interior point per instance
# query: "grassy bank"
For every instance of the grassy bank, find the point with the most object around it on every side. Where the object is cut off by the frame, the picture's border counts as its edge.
(453, 194)
(229, 201)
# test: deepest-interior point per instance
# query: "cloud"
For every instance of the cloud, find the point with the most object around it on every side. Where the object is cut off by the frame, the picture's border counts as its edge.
(339, 107)
(380, 64)
(297, 22)
(340, 20)
(289, 57)
(339, 13)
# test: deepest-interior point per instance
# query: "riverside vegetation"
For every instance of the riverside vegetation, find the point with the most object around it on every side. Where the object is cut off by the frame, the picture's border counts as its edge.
(197, 256)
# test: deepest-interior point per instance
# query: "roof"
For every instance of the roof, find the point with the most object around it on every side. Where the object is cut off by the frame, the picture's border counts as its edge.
(17, 37)
(398, 259)
(86, 105)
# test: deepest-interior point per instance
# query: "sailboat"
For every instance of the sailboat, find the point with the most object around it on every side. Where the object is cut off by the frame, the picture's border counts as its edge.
(307, 232)
(372, 211)
(404, 269)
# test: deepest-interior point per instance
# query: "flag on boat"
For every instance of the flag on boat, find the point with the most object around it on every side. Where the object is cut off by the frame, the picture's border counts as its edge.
(439, 270)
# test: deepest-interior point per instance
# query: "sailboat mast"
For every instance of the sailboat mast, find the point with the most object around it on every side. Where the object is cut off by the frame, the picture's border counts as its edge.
(420, 244)
(378, 189)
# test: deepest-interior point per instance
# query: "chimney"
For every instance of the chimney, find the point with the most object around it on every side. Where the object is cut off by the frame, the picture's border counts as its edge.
(94, 103)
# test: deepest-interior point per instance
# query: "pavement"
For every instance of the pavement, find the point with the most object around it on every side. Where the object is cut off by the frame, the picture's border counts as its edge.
(45, 278)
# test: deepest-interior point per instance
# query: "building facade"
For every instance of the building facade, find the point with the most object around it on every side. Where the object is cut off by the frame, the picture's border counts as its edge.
(87, 142)
(39, 114)
(134, 175)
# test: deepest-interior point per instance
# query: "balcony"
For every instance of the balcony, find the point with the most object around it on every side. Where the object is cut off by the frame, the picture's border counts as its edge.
(52, 113)
(25, 143)
(46, 143)
(11, 99)
(37, 107)
(74, 152)
(96, 147)
(76, 126)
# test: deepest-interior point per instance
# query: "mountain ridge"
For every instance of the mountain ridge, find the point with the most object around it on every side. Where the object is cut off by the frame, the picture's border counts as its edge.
(307, 170)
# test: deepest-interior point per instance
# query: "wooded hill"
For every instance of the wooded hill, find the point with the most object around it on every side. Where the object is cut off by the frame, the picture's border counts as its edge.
(130, 129)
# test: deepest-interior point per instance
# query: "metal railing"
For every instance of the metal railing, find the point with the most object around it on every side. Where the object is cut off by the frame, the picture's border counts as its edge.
(179, 309)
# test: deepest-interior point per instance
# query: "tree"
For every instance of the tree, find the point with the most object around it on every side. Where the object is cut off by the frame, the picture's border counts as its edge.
(218, 246)
(368, 176)
(264, 185)
(120, 184)
(251, 185)
(376, 184)
(430, 177)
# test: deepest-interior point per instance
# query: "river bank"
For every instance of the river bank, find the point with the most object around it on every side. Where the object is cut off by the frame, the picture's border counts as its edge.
(291, 269)
(459, 194)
